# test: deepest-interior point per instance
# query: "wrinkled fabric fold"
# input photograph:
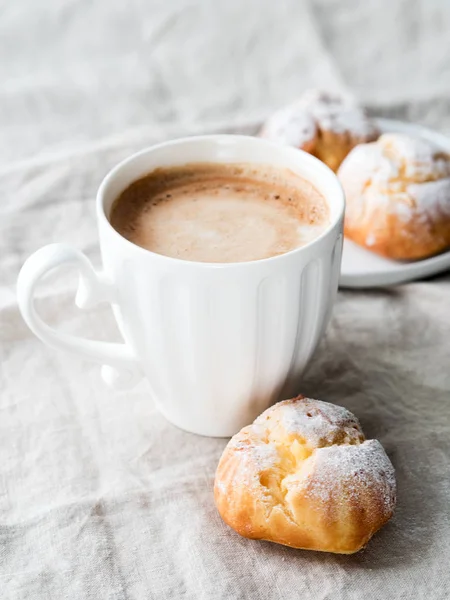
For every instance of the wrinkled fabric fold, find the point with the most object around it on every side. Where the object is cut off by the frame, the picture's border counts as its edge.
(99, 496)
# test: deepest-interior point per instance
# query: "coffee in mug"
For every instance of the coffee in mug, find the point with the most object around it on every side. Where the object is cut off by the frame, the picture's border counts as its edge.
(220, 213)
(230, 328)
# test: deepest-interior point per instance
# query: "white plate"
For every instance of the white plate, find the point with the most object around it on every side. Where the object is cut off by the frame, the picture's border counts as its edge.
(361, 268)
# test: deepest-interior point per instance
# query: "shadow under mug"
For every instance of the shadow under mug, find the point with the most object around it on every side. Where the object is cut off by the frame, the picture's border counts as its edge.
(218, 343)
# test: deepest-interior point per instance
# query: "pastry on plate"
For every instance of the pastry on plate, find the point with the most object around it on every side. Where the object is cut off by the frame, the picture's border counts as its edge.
(325, 124)
(304, 475)
(398, 197)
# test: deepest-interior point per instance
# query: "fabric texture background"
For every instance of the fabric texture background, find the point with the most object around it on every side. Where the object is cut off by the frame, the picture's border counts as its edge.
(101, 498)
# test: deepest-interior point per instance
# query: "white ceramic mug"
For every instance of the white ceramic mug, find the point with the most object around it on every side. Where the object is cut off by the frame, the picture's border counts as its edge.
(218, 343)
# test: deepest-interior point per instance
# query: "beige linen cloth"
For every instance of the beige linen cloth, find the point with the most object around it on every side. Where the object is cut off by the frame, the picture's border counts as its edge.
(101, 498)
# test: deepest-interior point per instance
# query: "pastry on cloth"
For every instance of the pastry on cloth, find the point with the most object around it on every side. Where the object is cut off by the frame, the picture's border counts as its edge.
(303, 475)
(325, 124)
(398, 197)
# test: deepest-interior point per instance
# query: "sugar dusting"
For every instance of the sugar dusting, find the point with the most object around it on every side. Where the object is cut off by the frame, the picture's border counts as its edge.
(356, 468)
(290, 126)
(338, 113)
(255, 458)
(317, 111)
(342, 464)
(315, 422)
(419, 159)
(436, 193)
(403, 175)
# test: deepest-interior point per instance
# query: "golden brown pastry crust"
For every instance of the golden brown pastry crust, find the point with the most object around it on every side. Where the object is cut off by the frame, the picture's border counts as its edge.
(325, 124)
(303, 475)
(398, 197)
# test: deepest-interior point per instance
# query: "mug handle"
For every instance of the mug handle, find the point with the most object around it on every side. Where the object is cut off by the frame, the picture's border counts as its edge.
(120, 368)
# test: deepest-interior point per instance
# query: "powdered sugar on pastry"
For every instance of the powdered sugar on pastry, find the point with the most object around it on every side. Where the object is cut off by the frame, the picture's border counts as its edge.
(417, 159)
(338, 113)
(315, 422)
(398, 196)
(291, 127)
(303, 475)
(433, 196)
(355, 467)
(317, 111)
(405, 174)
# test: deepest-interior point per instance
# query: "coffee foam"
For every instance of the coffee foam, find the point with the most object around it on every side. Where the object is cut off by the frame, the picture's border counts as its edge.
(220, 213)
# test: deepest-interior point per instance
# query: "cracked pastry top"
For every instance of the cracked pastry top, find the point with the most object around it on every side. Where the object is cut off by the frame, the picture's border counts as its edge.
(325, 124)
(398, 197)
(304, 475)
